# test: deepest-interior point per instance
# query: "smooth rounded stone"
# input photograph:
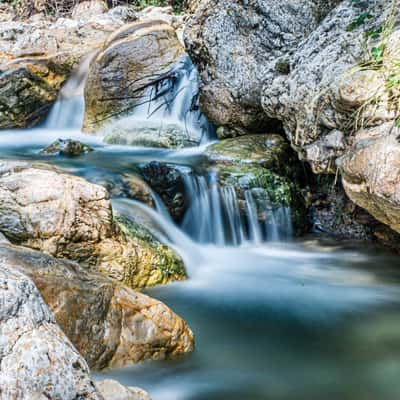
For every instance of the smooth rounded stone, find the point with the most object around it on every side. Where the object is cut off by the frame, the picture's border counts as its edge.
(109, 324)
(149, 134)
(371, 170)
(236, 44)
(113, 390)
(139, 54)
(325, 95)
(67, 147)
(265, 162)
(37, 361)
(68, 217)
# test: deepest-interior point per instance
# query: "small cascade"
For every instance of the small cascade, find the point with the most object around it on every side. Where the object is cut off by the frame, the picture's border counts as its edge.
(216, 215)
(68, 111)
(168, 107)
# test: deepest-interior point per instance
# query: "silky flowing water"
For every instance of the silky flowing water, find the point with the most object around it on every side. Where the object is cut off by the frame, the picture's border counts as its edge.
(309, 318)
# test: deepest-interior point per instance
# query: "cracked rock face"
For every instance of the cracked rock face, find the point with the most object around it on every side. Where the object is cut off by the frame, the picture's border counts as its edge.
(110, 325)
(236, 44)
(322, 91)
(68, 217)
(37, 361)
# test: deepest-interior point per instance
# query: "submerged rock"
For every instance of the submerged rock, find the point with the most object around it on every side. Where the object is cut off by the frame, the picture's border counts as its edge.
(36, 359)
(109, 324)
(236, 44)
(68, 217)
(132, 60)
(67, 147)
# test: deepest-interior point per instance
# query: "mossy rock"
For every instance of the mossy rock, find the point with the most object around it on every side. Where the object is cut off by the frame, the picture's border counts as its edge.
(265, 162)
(269, 151)
(155, 263)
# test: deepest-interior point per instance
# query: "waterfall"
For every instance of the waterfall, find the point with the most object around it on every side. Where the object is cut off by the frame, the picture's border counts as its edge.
(216, 215)
(170, 105)
(68, 110)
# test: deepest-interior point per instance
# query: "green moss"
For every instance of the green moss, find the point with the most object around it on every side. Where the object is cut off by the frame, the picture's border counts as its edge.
(153, 255)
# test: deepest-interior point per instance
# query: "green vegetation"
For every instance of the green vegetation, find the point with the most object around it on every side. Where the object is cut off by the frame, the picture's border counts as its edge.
(384, 60)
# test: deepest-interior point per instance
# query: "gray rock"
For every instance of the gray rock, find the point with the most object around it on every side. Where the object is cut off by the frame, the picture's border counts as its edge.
(37, 361)
(323, 91)
(109, 324)
(236, 44)
(112, 390)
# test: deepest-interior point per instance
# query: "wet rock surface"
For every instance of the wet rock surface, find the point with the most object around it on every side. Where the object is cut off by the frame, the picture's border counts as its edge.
(68, 217)
(263, 161)
(168, 182)
(109, 324)
(67, 147)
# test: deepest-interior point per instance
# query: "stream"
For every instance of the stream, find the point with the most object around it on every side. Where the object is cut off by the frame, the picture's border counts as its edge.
(274, 317)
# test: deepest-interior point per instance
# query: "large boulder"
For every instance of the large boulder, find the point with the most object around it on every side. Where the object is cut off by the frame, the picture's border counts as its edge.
(68, 217)
(110, 325)
(332, 85)
(371, 170)
(236, 44)
(37, 361)
(132, 60)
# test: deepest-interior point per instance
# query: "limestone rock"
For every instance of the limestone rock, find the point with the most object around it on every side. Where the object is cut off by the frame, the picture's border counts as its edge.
(68, 217)
(235, 44)
(110, 325)
(132, 60)
(37, 360)
(112, 390)
(28, 88)
(88, 9)
(324, 95)
(370, 173)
